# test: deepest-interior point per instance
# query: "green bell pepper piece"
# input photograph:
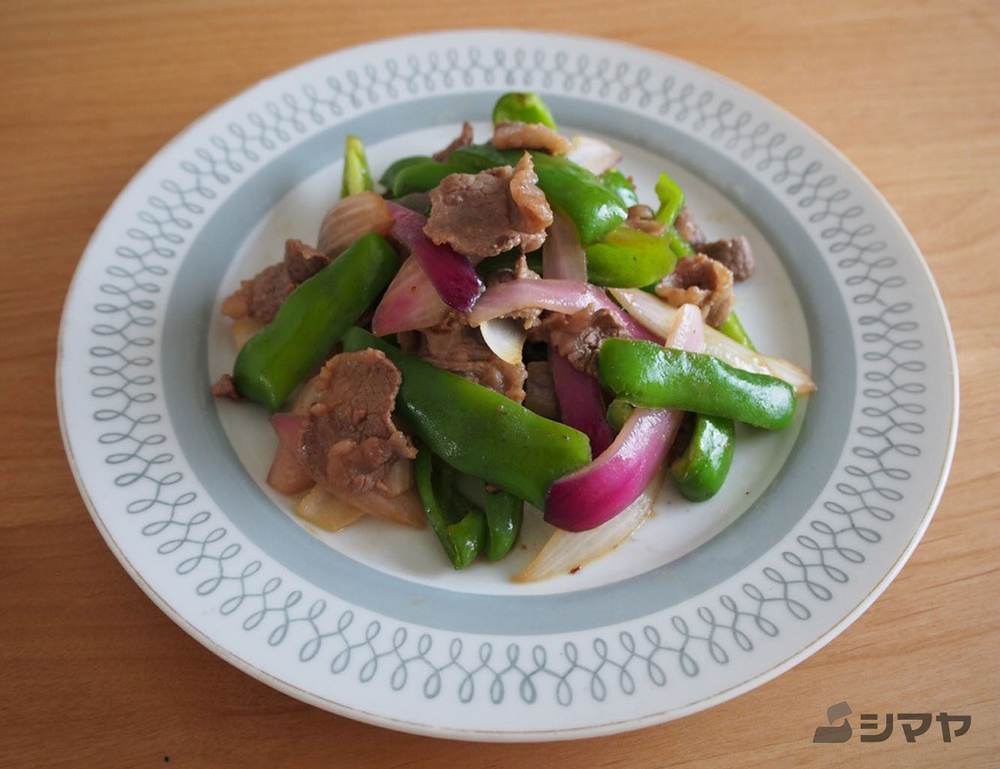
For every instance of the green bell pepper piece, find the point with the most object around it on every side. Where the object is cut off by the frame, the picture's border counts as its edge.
(594, 209)
(619, 184)
(671, 199)
(477, 430)
(357, 175)
(523, 107)
(629, 258)
(653, 376)
(388, 178)
(311, 321)
(618, 413)
(504, 514)
(459, 525)
(701, 469)
(734, 330)
(419, 177)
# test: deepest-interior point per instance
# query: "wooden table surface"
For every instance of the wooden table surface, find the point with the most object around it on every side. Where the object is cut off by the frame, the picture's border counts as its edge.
(92, 674)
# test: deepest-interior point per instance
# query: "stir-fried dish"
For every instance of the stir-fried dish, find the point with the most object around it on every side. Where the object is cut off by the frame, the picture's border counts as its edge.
(504, 323)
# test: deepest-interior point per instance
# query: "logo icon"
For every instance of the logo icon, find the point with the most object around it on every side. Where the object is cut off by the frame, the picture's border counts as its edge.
(831, 733)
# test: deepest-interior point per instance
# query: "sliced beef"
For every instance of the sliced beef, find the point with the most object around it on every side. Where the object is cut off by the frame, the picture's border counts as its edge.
(640, 217)
(454, 346)
(688, 228)
(226, 388)
(302, 261)
(515, 135)
(578, 337)
(734, 253)
(261, 296)
(464, 139)
(540, 390)
(484, 214)
(701, 281)
(350, 441)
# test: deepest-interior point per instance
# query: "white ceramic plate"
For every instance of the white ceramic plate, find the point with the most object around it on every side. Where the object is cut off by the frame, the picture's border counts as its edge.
(705, 602)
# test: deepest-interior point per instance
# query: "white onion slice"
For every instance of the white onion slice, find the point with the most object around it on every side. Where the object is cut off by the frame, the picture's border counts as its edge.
(243, 329)
(566, 551)
(325, 511)
(505, 337)
(657, 316)
(595, 155)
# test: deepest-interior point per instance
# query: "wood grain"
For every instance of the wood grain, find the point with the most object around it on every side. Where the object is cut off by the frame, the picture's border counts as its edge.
(92, 674)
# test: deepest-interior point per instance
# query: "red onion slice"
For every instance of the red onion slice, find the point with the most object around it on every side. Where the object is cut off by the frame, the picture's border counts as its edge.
(410, 302)
(581, 404)
(451, 274)
(598, 492)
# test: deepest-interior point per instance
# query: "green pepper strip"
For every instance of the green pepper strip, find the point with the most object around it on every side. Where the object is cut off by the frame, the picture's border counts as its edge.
(734, 330)
(357, 175)
(311, 321)
(629, 258)
(671, 199)
(594, 209)
(653, 376)
(479, 431)
(700, 471)
(619, 184)
(504, 514)
(618, 413)
(389, 177)
(459, 525)
(524, 107)
(678, 245)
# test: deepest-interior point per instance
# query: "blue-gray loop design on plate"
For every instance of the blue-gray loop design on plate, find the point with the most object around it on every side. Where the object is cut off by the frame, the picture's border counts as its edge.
(399, 657)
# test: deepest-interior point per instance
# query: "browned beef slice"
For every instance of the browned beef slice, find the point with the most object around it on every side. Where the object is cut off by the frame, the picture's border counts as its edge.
(454, 346)
(268, 290)
(540, 391)
(578, 337)
(734, 253)
(703, 282)
(464, 139)
(641, 218)
(350, 440)
(490, 212)
(262, 295)
(302, 261)
(512, 134)
(226, 388)
(688, 228)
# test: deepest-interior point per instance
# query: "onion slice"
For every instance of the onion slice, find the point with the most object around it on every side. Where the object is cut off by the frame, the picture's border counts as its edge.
(410, 302)
(404, 508)
(451, 274)
(596, 493)
(566, 551)
(562, 255)
(657, 316)
(349, 219)
(243, 329)
(325, 511)
(595, 155)
(505, 337)
(581, 404)
(286, 474)
(565, 296)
